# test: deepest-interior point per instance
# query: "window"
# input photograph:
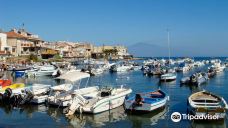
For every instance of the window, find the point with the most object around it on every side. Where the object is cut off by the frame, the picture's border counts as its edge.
(6, 49)
(13, 49)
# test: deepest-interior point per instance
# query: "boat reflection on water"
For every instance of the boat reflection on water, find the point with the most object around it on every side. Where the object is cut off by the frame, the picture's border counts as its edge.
(27, 111)
(97, 120)
(208, 124)
(150, 119)
(163, 83)
(193, 88)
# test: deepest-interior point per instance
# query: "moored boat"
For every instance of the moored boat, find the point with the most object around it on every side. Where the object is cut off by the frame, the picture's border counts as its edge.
(5, 82)
(19, 73)
(205, 103)
(61, 95)
(168, 77)
(46, 70)
(97, 100)
(195, 79)
(13, 86)
(146, 101)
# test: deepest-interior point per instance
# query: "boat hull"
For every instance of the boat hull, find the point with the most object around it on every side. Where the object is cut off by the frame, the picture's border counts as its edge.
(205, 107)
(108, 103)
(145, 106)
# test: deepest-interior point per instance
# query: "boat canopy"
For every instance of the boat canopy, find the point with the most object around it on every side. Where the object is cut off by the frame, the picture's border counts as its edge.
(74, 76)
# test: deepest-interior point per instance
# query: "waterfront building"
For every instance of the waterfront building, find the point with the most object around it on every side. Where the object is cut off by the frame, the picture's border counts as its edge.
(23, 43)
(112, 52)
(83, 50)
(4, 48)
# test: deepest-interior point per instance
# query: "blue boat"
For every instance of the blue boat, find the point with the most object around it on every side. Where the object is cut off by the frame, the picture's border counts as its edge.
(19, 73)
(146, 102)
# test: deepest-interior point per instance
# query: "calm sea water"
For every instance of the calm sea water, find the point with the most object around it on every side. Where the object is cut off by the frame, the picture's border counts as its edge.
(44, 116)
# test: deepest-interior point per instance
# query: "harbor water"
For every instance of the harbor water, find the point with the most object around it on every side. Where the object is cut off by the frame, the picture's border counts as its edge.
(47, 116)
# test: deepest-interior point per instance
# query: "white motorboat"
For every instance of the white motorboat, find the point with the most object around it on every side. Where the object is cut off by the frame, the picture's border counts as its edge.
(168, 77)
(183, 67)
(96, 71)
(120, 68)
(37, 93)
(95, 100)
(218, 67)
(198, 64)
(46, 70)
(62, 95)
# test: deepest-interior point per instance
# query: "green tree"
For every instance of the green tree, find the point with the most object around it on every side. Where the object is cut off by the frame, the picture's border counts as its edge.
(110, 52)
(57, 56)
(33, 58)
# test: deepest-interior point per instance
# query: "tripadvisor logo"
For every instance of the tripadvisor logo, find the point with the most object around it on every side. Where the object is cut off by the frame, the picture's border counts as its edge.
(176, 117)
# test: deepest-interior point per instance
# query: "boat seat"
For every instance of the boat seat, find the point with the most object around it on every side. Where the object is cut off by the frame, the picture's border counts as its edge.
(156, 96)
(149, 100)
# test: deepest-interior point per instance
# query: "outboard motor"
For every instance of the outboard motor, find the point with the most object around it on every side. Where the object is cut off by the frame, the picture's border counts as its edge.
(138, 99)
(28, 97)
(7, 95)
(193, 78)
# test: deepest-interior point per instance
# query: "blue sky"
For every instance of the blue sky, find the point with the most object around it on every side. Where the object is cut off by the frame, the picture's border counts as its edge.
(195, 25)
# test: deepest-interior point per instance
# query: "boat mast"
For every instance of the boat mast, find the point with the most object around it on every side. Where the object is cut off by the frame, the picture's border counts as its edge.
(168, 45)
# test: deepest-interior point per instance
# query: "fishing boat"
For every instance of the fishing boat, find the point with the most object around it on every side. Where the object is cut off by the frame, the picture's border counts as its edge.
(168, 77)
(211, 72)
(204, 102)
(46, 70)
(17, 68)
(198, 78)
(13, 86)
(96, 71)
(19, 73)
(158, 71)
(195, 79)
(218, 67)
(96, 100)
(121, 67)
(39, 93)
(146, 101)
(36, 93)
(183, 67)
(198, 64)
(5, 82)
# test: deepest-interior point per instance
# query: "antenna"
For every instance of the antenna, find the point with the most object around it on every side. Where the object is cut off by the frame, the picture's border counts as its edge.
(23, 26)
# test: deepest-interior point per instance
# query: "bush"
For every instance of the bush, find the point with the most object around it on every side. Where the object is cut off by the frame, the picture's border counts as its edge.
(57, 56)
(33, 58)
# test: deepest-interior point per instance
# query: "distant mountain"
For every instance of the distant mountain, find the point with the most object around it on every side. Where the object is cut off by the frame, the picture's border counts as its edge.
(152, 50)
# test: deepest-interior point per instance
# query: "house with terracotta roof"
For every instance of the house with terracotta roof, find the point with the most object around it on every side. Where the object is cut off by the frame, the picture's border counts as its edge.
(23, 43)
(83, 50)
